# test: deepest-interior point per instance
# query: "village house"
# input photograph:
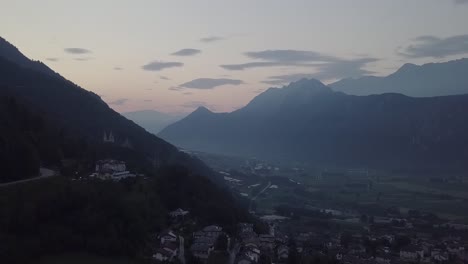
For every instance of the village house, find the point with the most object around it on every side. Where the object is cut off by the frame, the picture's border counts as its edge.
(454, 249)
(412, 253)
(251, 242)
(283, 252)
(357, 249)
(385, 258)
(201, 250)
(198, 234)
(110, 165)
(162, 255)
(439, 256)
(248, 235)
(205, 240)
(245, 228)
(267, 241)
(178, 213)
(213, 231)
(251, 252)
(166, 253)
(111, 170)
(167, 236)
(244, 260)
(170, 247)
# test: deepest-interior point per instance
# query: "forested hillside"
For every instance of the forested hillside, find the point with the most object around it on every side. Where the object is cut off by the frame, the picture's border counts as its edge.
(104, 218)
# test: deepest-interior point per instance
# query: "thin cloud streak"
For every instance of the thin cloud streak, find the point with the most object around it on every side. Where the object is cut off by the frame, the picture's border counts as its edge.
(120, 101)
(208, 83)
(186, 52)
(435, 47)
(77, 51)
(211, 39)
(160, 65)
(83, 59)
(325, 67)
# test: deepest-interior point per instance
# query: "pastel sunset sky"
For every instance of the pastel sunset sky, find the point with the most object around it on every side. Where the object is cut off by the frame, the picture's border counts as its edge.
(173, 55)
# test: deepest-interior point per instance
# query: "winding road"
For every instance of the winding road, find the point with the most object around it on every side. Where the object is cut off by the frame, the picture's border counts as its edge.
(43, 173)
(258, 194)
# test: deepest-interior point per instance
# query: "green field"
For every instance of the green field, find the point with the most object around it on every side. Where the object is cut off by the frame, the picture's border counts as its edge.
(447, 200)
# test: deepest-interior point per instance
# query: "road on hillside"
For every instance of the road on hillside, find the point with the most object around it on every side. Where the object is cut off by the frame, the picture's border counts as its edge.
(181, 249)
(43, 173)
(233, 253)
(258, 194)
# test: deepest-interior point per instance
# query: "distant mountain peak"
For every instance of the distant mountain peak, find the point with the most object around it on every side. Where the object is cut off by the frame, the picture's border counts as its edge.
(202, 109)
(307, 84)
(407, 67)
(427, 80)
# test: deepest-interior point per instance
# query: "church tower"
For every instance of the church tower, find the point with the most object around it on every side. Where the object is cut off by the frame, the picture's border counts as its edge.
(108, 138)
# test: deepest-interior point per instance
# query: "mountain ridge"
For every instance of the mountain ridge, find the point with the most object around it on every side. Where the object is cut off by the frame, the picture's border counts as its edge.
(13, 54)
(427, 80)
(333, 128)
(151, 120)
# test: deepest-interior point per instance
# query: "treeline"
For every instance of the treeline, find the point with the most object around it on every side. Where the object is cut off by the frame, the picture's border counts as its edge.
(28, 140)
(105, 218)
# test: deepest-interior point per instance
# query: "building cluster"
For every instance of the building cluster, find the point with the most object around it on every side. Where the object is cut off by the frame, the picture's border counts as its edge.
(204, 241)
(260, 168)
(382, 244)
(253, 246)
(110, 169)
(168, 249)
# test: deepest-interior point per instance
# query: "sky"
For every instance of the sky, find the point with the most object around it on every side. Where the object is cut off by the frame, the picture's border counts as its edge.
(173, 56)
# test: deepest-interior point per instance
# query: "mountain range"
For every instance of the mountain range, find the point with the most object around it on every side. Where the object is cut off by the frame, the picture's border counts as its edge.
(151, 120)
(79, 114)
(307, 121)
(432, 79)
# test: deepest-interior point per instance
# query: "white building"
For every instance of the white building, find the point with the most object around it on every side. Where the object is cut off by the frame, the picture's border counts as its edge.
(111, 170)
(178, 213)
(167, 236)
(110, 165)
